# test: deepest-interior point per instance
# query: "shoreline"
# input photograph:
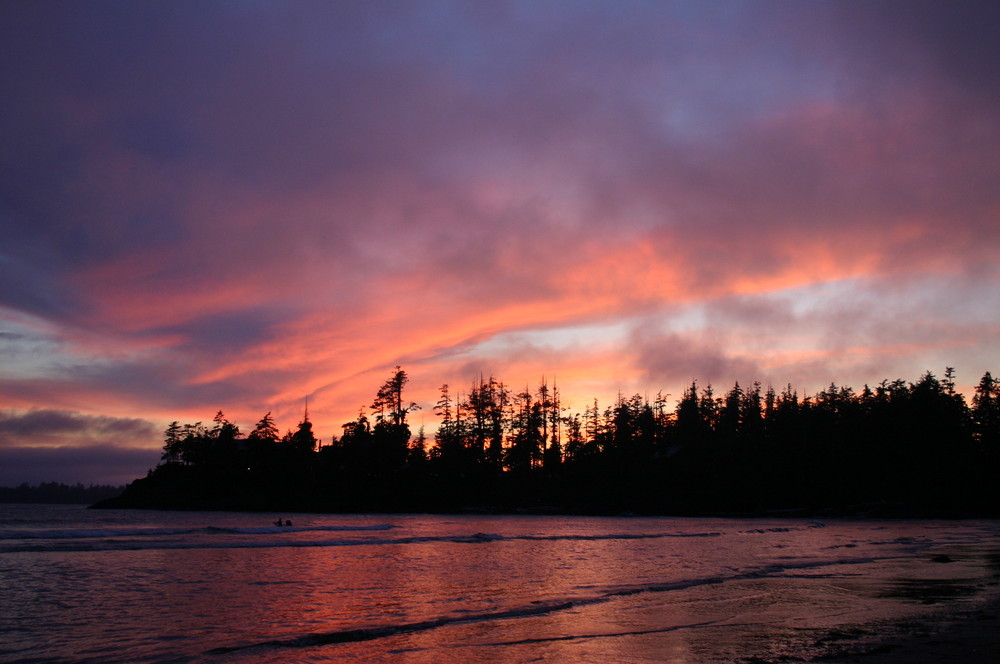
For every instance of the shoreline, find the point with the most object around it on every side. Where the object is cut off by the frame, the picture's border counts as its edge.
(954, 626)
(967, 632)
(968, 635)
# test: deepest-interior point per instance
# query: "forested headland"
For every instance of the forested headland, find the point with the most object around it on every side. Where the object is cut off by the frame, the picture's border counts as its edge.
(895, 449)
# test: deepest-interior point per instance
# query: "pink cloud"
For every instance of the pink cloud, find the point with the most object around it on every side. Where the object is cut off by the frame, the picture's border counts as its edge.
(259, 205)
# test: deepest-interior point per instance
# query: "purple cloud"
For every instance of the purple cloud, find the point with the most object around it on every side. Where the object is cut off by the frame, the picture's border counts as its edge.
(214, 205)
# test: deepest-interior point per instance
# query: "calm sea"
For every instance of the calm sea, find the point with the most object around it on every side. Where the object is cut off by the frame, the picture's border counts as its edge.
(80, 585)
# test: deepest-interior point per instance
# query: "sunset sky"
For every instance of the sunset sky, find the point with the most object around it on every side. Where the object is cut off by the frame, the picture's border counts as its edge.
(238, 205)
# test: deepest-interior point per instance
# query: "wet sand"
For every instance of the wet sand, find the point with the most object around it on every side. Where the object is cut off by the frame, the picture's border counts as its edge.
(970, 636)
(963, 633)
(960, 623)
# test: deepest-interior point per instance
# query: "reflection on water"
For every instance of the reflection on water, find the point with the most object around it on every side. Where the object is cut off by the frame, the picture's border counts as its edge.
(86, 586)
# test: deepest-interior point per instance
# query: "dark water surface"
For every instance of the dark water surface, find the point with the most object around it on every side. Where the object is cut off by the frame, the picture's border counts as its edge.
(138, 586)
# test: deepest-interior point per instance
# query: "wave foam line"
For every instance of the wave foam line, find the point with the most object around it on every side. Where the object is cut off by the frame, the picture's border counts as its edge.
(108, 542)
(372, 633)
(605, 635)
(160, 532)
(368, 634)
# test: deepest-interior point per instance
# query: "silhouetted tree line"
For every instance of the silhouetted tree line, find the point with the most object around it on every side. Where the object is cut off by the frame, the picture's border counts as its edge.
(58, 493)
(896, 448)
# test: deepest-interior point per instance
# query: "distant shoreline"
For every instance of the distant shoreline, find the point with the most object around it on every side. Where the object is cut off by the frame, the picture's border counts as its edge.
(58, 493)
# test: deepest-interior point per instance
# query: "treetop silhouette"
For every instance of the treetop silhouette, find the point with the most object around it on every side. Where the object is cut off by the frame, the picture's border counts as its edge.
(912, 448)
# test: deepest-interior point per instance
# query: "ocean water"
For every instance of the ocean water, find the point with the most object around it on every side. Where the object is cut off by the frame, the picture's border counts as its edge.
(80, 585)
